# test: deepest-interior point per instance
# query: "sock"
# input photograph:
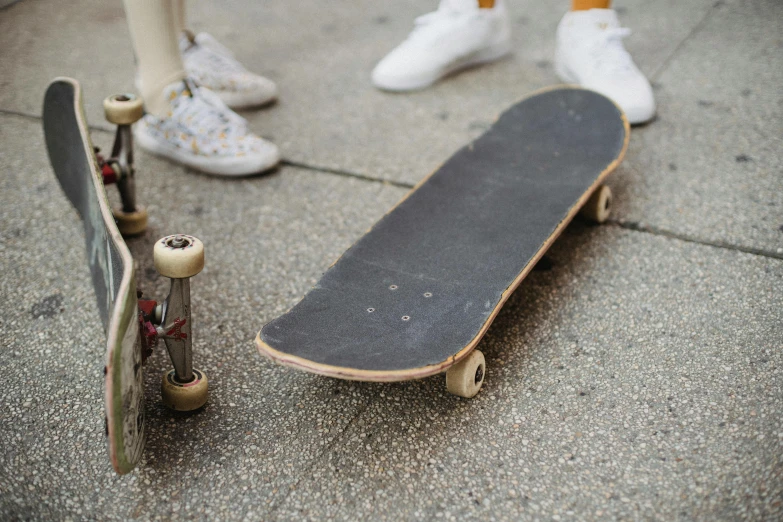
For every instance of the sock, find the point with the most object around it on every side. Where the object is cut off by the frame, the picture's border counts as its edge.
(152, 28)
(486, 4)
(179, 16)
(583, 5)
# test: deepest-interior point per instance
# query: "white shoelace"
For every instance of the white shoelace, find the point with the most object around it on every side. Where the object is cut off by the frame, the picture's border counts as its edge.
(610, 54)
(214, 100)
(206, 40)
(203, 112)
(216, 61)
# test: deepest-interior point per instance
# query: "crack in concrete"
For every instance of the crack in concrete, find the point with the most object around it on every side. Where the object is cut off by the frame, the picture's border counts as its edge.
(318, 459)
(656, 231)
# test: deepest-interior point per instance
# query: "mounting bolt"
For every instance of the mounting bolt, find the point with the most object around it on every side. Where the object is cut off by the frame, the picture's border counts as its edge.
(178, 242)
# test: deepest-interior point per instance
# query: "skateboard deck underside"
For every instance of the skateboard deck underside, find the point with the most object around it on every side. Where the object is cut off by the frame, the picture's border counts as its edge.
(111, 267)
(418, 291)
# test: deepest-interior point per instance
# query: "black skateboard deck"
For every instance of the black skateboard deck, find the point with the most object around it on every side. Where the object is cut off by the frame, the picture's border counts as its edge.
(73, 158)
(416, 294)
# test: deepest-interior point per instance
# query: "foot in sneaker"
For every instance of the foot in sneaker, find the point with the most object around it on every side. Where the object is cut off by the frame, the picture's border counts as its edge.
(458, 35)
(202, 133)
(213, 66)
(590, 53)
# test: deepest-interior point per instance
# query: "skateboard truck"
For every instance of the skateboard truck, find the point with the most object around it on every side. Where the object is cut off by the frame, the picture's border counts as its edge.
(123, 110)
(178, 257)
(133, 325)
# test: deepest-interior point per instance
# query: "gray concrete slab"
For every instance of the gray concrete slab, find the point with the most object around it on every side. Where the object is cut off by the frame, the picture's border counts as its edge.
(325, 84)
(615, 390)
(638, 378)
(321, 56)
(710, 165)
(40, 40)
(261, 426)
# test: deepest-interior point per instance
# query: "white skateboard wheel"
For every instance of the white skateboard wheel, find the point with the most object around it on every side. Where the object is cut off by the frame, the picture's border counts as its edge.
(186, 396)
(178, 256)
(130, 223)
(465, 378)
(123, 109)
(599, 206)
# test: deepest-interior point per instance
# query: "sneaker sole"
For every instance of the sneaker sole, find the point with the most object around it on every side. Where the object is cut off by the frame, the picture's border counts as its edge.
(229, 167)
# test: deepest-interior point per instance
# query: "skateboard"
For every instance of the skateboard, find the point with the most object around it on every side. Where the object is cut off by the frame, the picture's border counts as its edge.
(415, 295)
(132, 325)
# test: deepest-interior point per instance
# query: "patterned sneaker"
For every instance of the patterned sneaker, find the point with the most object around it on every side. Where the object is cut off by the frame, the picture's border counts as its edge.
(590, 52)
(202, 133)
(458, 35)
(213, 66)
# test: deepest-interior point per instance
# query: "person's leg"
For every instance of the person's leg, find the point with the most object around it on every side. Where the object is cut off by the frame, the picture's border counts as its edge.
(151, 24)
(184, 122)
(179, 16)
(459, 34)
(590, 52)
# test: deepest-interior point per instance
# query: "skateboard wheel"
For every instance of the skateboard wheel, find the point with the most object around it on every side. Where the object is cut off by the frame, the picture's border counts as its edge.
(123, 109)
(186, 396)
(178, 256)
(465, 378)
(599, 206)
(130, 223)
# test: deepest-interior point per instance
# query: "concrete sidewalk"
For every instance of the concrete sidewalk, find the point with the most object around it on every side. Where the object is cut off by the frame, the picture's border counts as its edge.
(639, 378)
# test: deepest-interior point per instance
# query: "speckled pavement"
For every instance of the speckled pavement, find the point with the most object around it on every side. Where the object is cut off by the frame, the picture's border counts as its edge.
(638, 377)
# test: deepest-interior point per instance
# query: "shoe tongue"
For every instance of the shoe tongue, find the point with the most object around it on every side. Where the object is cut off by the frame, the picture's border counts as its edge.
(186, 41)
(177, 89)
(603, 18)
(459, 5)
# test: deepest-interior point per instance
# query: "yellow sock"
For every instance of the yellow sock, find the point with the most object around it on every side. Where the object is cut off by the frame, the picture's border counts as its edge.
(486, 4)
(583, 5)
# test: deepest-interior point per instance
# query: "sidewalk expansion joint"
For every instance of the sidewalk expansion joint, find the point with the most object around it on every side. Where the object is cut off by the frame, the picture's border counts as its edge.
(345, 173)
(31, 116)
(627, 225)
(28, 115)
(650, 229)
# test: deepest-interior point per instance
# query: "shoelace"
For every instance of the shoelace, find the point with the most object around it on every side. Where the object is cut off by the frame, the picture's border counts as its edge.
(202, 112)
(217, 61)
(208, 41)
(214, 100)
(609, 53)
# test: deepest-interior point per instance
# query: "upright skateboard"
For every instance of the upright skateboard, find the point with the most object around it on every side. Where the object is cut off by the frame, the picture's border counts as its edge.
(416, 294)
(132, 325)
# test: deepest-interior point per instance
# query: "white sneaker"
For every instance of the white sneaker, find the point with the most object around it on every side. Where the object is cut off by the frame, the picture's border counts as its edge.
(202, 133)
(213, 66)
(590, 53)
(459, 34)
